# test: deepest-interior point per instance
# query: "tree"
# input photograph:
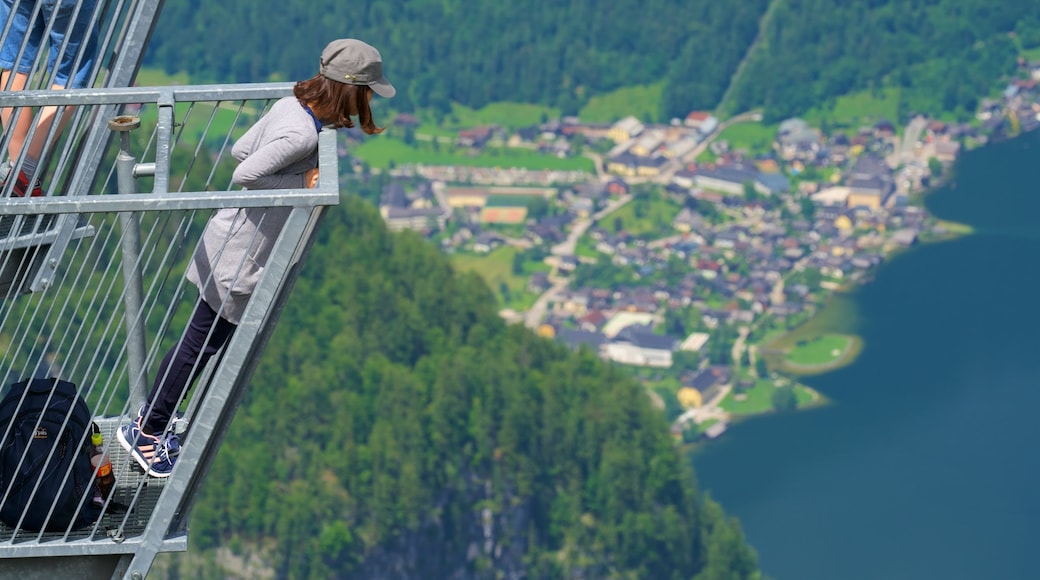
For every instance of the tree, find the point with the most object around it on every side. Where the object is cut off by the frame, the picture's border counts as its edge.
(813, 277)
(578, 144)
(750, 193)
(808, 208)
(784, 399)
(537, 207)
(507, 294)
(935, 167)
(761, 366)
(684, 361)
(721, 345)
(518, 263)
(674, 322)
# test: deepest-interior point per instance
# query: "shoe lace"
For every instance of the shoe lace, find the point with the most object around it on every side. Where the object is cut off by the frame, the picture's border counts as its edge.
(169, 447)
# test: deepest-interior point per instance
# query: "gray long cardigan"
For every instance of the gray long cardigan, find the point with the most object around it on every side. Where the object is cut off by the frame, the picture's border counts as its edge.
(273, 154)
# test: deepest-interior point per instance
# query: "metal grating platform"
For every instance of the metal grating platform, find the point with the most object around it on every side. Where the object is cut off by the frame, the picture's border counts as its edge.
(128, 511)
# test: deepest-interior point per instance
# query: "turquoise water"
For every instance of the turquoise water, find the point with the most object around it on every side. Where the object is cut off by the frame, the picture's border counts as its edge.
(927, 463)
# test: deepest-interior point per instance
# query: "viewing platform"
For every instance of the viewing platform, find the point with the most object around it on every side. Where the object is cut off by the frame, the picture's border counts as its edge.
(92, 286)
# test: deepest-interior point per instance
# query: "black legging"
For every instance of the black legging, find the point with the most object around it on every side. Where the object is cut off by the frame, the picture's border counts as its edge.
(183, 364)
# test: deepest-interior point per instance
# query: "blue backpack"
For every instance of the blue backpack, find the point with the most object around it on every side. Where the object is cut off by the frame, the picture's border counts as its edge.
(43, 460)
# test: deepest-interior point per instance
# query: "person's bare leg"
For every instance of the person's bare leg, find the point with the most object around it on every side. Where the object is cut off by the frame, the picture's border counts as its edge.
(23, 120)
(43, 127)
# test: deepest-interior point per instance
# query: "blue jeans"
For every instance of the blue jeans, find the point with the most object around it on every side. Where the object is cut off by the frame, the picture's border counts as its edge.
(70, 21)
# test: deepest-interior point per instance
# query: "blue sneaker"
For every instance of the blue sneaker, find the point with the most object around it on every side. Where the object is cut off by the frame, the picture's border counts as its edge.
(156, 455)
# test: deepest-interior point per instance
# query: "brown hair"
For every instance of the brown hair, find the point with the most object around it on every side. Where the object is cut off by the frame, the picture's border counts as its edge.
(334, 102)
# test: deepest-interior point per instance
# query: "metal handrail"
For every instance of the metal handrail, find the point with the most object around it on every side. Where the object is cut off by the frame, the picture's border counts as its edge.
(90, 257)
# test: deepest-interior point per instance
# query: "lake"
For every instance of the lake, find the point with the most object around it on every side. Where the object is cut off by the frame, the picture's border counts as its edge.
(925, 464)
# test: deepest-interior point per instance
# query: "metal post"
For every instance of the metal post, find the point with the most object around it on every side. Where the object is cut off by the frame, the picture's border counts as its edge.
(131, 246)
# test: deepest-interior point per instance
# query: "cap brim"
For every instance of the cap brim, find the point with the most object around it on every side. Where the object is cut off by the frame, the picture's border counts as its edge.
(383, 88)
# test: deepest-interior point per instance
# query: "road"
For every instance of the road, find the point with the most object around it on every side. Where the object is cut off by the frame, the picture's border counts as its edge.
(533, 317)
(708, 410)
(906, 152)
(668, 171)
(566, 247)
(597, 160)
(738, 345)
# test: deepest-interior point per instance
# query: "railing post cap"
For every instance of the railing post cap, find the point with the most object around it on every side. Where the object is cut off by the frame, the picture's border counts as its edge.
(124, 123)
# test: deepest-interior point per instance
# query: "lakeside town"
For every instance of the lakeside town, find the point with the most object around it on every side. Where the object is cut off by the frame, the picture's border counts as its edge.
(688, 258)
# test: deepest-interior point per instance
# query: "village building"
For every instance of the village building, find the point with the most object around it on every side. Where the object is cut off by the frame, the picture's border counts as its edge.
(637, 345)
(625, 129)
(419, 211)
(870, 182)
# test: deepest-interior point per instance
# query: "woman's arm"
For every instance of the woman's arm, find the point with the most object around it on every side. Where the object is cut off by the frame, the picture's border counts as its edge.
(259, 170)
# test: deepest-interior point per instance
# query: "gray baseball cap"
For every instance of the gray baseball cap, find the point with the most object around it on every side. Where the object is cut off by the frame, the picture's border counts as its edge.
(351, 61)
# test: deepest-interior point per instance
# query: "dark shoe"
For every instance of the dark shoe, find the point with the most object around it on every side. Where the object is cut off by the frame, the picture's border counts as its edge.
(156, 455)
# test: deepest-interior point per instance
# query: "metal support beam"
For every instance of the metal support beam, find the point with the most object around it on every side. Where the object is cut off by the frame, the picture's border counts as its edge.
(131, 246)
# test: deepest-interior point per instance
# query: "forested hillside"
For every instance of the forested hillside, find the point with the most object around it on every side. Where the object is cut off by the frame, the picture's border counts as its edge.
(397, 428)
(472, 52)
(944, 53)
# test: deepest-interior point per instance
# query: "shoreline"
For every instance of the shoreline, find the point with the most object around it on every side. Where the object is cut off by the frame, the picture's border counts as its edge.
(844, 358)
(945, 230)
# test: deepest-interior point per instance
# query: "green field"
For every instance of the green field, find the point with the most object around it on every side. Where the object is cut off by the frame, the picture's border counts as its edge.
(760, 399)
(855, 109)
(752, 137)
(821, 351)
(496, 268)
(642, 102)
(511, 116)
(821, 354)
(641, 217)
(586, 248)
(383, 151)
(508, 115)
(838, 316)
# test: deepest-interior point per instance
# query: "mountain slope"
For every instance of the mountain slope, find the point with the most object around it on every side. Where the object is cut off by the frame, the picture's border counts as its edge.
(944, 54)
(397, 428)
(471, 52)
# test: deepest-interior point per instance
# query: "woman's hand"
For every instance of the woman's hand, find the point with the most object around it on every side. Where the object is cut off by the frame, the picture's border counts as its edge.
(310, 178)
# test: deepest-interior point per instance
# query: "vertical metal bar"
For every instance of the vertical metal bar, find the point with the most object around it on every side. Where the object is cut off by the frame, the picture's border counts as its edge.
(164, 141)
(122, 73)
(131, 255)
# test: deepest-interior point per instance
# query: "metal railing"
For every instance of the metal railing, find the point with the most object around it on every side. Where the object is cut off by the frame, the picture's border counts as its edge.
(120, 30)
(93, 292)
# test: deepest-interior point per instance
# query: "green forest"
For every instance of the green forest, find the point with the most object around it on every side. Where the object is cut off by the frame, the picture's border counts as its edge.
(783, 56)
(385, 435)
(944, 54)
(395, 418)
(466, 51)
